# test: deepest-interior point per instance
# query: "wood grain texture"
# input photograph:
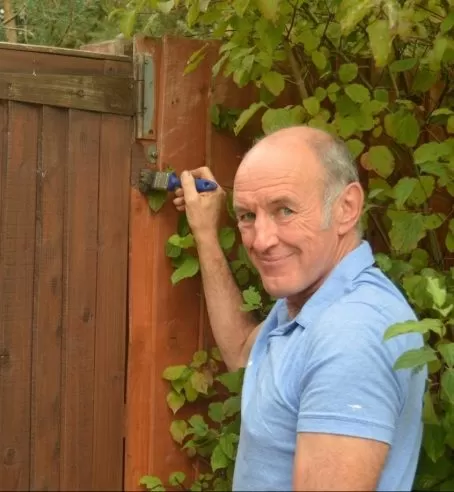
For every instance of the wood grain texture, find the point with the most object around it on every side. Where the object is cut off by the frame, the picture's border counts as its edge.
(48, 302)
(111, 303)
(102, 94)
(80, 294)
(18, 184)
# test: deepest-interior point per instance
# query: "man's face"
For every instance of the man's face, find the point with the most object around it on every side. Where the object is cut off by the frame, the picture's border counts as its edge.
(278, 201)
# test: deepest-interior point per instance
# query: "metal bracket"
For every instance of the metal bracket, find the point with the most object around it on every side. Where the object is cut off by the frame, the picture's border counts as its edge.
(146, 107)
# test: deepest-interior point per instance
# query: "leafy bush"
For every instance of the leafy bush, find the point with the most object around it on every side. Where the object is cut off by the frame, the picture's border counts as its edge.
(378, 74)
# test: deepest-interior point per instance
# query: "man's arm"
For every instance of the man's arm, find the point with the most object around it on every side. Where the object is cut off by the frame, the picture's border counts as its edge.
(334, 462)
(233, 330)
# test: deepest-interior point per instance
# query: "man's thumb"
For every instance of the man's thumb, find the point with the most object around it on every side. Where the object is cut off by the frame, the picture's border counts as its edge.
(188, 185)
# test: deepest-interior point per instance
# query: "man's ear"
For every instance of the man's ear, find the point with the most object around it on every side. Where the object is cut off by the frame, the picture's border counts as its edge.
(349, 208)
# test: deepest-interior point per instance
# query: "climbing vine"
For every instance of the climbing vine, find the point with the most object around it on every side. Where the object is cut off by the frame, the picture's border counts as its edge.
(378, 74)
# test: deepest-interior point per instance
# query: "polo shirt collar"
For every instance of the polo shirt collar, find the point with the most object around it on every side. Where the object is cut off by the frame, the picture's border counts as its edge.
(337, 283)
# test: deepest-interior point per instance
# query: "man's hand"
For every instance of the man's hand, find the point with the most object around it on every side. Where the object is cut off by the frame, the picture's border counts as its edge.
(203, 210)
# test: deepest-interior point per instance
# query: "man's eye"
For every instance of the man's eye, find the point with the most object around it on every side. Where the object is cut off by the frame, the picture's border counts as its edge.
(286, 211)
(247, 217)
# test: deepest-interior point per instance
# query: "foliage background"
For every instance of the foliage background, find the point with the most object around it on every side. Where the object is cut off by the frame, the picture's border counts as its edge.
(378, 74)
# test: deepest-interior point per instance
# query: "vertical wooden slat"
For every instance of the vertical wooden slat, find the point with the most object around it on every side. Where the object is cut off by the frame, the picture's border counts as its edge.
(111, 304)
(80, 310)
(46, 407)
(16, 294)
(165, 319)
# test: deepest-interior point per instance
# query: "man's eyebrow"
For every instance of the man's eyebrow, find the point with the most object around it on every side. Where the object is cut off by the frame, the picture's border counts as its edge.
(282, 200)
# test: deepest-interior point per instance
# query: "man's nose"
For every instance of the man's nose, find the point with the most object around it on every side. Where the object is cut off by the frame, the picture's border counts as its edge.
(265, 234)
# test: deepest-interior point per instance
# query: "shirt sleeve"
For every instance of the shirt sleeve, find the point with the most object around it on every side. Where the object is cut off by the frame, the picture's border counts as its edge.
(349, 386)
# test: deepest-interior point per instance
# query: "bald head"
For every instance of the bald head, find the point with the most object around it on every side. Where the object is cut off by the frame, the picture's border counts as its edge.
(324, 160)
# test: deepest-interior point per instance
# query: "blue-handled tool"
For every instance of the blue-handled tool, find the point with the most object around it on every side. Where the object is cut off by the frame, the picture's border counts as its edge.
(160, 180)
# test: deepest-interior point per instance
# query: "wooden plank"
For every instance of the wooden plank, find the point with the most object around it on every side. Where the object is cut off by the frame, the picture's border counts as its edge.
(80, 295)
(161, 334)
(51, 50)
(47, 340)
(93, 93)
(117, 46)
(140, 382)
(20, 61)
(111, 304)
(16, 293)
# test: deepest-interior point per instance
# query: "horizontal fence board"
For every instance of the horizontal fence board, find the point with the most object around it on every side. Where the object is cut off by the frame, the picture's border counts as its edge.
(93, 93)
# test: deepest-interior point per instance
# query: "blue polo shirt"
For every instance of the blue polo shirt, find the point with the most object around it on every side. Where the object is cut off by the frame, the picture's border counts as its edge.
(330, 371)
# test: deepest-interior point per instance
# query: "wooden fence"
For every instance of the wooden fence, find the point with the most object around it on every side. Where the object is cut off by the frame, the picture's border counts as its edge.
(82, 402)
(65, 139)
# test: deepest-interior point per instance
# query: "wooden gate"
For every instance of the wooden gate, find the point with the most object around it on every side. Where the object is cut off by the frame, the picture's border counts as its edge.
(65, 139)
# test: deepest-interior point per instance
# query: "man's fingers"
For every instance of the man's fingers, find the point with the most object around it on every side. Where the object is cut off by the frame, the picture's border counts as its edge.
(188, 185)
(182, 208)
(179, 192)
(179, 201)
(203, 172)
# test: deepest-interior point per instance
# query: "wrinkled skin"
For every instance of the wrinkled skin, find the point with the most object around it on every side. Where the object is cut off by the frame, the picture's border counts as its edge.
(278, 199)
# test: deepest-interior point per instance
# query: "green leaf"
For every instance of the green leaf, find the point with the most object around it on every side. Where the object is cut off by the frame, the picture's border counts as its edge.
(403, 65)
(447, 352)
(252, 297)
(173, 373)
(380, 41)
(268, 8)
(448, 22)
(152, 483)
(403, 127)
(228, 445)
(199, 382)
(219, 460)
(216, 411)
(403, 189)
(436, 291)
(423, 326)
(181, 242)
(449, 241)
(175, 400)
(233, 381)
(415, 357)
(320, 93)
(128, 22)
(216, 354)
(240, 7)
(424, 187)
(381, 95)
(319, 59)
(199, 358)
(274, 82)
(406, 231)
(434, 441)
(352, 12)
(347, 72)
(447, 385)
(424, 80)
(177, 478)
(429, 415)
(275, 119)
(178, 430)
(357, 92)
(312, 105)
(156, 199)
(172, 251)
(188, 268)
(191, 393)
(450, 125)
(232, 406)
(246, 115)
(226, 238)
(196, 58)
(381, 160)
(355, 147)
(431, 151)
(198, 425)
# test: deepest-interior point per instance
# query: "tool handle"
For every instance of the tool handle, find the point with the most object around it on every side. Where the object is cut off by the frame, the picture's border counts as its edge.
(201, 184)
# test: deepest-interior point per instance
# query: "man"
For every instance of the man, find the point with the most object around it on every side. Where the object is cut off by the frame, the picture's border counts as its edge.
(322, 407)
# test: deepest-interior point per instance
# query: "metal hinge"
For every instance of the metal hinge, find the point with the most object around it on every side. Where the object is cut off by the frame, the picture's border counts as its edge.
(146, 104)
